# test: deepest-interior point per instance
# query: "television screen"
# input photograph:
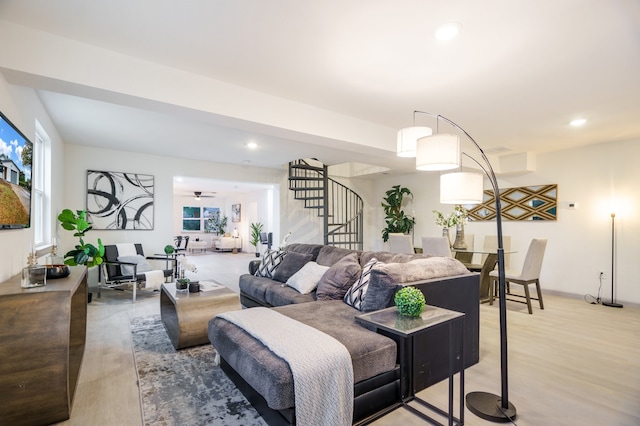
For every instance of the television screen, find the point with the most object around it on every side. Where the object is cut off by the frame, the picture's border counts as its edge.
(16, 155)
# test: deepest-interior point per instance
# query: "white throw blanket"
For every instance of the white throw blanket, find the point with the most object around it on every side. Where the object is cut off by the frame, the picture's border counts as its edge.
(321, 365)
(153, 279)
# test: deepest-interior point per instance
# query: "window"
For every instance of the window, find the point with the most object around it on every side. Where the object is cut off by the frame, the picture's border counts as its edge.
(41, 188)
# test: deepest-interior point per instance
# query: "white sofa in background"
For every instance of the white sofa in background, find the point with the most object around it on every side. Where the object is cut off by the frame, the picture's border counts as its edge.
(228, 244)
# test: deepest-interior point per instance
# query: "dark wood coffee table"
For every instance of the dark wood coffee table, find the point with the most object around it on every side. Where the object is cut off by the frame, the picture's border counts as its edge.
(186, 315)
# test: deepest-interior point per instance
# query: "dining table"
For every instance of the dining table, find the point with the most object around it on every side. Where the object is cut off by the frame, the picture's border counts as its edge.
(465, 256)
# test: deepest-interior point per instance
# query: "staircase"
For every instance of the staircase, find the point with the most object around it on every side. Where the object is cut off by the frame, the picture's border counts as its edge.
(339, 207)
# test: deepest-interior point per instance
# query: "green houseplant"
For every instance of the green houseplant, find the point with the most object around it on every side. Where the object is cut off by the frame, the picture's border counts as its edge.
(256, 228)
(218, 224)
(395, 218)
(84, 253)
(410, 301)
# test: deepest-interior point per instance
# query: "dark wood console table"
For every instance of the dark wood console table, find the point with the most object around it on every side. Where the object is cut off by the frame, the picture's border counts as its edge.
(42, 335)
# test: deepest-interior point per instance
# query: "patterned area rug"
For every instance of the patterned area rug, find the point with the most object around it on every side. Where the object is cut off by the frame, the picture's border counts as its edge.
(184, 387)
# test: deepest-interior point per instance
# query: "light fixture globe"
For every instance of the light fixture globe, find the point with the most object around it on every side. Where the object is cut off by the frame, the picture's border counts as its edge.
(461, 188)
(408, 139)
(438, 152)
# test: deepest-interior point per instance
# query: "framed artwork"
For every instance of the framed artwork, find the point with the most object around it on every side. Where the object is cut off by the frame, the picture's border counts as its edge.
(235, 212)
(191, 212)
(210, 216)
(534, 203)
(191, 224)
(117, 200)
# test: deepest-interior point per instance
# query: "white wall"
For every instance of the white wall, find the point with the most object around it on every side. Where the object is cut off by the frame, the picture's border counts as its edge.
(579, 246)
(23, 107)
(79, 159)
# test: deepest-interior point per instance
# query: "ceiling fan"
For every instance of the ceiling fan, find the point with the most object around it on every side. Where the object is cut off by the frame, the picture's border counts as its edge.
(198, 195)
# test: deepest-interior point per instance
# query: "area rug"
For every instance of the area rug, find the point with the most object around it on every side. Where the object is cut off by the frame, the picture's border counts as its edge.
(184, 387)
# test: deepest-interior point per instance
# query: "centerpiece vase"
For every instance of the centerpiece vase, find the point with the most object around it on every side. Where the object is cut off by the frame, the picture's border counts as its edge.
(460, 243)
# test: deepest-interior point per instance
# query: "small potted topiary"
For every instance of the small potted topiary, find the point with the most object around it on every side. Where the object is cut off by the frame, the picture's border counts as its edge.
(410, 301)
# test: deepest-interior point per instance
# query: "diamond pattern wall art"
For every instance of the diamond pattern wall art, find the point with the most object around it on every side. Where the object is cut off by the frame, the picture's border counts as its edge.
(523, 203)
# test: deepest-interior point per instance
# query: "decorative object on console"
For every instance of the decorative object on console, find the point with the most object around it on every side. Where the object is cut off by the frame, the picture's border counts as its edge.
(456, 218)
(33, 275)
(467, 188)
(84, 253)
(396, 219)
(235, 213)
(410, 301)
(117, 200)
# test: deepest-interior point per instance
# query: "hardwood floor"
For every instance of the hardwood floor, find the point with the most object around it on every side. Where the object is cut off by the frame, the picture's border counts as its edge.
(570, 364)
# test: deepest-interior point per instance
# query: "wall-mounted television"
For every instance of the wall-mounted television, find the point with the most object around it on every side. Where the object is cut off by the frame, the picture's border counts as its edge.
(16, 158)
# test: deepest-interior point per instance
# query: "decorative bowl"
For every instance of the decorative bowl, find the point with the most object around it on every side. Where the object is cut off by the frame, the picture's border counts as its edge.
(57, 271)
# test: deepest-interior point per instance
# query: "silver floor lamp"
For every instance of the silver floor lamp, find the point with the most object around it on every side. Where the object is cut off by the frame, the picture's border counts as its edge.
(613, 303)
(441, 151)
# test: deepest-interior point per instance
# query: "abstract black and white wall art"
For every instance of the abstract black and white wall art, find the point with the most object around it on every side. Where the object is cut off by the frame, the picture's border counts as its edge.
(117, 200)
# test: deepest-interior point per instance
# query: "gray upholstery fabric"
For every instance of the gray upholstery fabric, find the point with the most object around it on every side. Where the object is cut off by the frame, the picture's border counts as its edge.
(371, 353)
(329, 255)
(255, 287)
(385, 278)
(388, 257)
(335, 283)
(291, 264)
(312, 249)
(280, 295)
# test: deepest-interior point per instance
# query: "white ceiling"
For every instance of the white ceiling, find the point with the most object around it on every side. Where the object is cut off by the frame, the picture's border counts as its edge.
(518, 73)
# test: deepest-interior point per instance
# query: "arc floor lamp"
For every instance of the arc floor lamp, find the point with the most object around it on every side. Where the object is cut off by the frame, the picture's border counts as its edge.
(441, 151)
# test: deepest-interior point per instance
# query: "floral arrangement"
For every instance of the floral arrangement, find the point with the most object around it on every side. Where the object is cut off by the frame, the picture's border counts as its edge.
(457, 216)
(410, 301)
(182, 282)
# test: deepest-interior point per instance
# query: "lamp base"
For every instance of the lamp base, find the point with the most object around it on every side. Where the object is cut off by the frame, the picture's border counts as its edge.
(488, 407)
(612, 304)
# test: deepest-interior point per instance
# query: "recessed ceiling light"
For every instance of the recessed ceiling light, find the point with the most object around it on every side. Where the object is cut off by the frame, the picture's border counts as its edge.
(252, 145)
(578, 122)
(447, 31)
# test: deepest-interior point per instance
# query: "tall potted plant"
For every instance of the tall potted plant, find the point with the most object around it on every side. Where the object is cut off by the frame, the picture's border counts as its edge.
(395, 218)
(256, 228)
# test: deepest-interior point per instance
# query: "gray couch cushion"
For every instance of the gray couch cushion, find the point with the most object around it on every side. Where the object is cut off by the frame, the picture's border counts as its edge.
(386, 278)
(291, 264)
(335, 283)
(255, 287)
(282, 294)
(388, 257)
(371, 353)
(329, 255)
(312, 249)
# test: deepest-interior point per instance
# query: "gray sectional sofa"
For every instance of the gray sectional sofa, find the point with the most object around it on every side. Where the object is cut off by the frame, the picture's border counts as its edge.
(267, 380)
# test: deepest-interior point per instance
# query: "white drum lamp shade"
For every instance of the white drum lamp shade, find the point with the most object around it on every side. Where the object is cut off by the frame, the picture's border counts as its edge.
(438, 152)
(408, 139)
(461, 188)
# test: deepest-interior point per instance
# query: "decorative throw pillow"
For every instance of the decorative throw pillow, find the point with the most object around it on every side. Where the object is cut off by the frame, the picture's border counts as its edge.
(356, 294)
(291, 264)
(339, 278)
(270, 261)
(307, 278)
(139, 260)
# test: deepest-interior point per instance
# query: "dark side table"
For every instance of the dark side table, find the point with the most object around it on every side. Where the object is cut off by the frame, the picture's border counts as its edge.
(412, 334)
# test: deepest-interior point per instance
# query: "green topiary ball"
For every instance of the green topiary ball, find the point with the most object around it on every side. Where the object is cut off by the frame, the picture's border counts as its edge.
(168, 249)
(410, 301)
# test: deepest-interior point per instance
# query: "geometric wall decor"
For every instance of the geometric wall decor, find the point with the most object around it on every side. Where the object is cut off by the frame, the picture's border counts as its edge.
(117, 200)
(524, 203)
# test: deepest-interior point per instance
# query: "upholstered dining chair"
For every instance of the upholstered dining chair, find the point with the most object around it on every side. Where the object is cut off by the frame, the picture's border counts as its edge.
(436, 246)
(530, 274)
(401, 243)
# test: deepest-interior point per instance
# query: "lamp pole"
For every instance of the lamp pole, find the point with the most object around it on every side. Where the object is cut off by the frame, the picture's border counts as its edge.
(613, 303)
(491, 407)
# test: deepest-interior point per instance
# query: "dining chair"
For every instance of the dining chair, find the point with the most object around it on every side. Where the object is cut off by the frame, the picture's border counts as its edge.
(436, 246)
(401, 243)
(530, 274)
(490, 244)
